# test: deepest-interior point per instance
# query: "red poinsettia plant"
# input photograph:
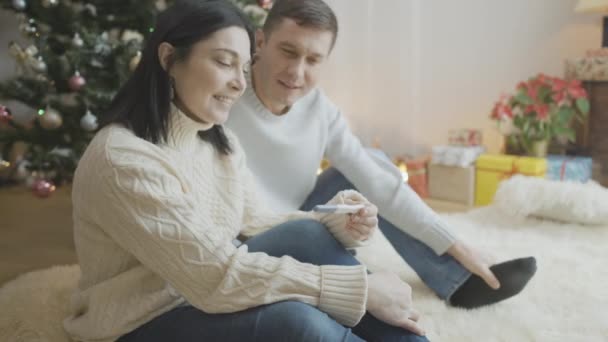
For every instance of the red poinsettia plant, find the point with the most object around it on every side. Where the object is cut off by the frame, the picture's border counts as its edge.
(541, 109)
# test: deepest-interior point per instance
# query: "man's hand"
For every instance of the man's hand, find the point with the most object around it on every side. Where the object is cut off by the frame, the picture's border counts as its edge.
(474, 261)
(389, 299)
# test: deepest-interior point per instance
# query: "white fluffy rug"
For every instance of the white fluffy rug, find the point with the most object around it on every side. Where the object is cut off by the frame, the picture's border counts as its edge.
(567, 300)
(34, 304)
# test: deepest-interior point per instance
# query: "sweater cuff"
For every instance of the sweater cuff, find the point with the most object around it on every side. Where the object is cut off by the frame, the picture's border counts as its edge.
(344, 293)
(439, 237)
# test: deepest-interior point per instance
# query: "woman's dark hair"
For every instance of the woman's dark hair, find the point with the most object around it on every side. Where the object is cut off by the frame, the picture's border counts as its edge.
(144, 101)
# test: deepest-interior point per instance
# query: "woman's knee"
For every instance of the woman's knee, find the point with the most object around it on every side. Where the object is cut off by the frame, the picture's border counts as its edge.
(305, 231)
(306, 241)
(295, 321)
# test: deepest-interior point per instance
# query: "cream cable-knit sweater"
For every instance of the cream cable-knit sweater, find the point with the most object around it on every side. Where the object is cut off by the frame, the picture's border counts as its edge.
(154, 226)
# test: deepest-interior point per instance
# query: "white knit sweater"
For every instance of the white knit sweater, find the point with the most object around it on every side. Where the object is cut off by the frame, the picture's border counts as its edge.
(284, 153)
(154, 225)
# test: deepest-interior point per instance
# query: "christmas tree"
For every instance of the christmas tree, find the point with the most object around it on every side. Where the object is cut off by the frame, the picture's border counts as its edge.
(78, 55)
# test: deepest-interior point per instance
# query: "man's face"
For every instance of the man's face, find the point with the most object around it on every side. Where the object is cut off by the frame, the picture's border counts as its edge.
(289, 62)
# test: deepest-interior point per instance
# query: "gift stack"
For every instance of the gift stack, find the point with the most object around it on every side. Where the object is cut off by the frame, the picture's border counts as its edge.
(416, 171)
(452, 171)
(569, 168)
(492, 169)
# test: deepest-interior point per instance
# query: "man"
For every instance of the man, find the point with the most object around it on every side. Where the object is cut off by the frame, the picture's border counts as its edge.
(287, 125)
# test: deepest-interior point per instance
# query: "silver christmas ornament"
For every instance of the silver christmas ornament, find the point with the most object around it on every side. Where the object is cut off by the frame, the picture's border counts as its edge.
(32, 178)
(62, 152)
(31, 50)
(38, 64)
(27, 29)
(91, 9)
(77, 40)
(160, 5)
(19, 5)
(22, 172)
(89, 122)
(49, 3)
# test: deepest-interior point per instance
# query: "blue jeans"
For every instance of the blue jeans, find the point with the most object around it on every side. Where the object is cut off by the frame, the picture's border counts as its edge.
(442, 273)
(305, 240)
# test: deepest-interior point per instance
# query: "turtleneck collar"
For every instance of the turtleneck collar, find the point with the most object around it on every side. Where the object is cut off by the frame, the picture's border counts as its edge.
(183, 131)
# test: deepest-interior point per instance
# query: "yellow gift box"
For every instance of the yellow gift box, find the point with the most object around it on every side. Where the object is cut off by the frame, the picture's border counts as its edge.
(491, 169)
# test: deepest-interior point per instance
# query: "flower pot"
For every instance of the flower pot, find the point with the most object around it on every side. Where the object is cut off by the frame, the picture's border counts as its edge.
(513, 146)
(538, 148)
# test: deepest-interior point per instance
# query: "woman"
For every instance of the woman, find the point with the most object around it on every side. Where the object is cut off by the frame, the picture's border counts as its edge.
(162, 191)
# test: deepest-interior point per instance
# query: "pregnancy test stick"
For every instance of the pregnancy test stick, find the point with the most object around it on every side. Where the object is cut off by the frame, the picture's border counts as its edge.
(338, 208)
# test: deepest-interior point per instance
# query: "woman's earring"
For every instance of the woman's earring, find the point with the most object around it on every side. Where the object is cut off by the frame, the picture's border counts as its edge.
(172, 86)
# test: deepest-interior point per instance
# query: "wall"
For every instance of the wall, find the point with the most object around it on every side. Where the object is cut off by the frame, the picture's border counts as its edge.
(405, 72)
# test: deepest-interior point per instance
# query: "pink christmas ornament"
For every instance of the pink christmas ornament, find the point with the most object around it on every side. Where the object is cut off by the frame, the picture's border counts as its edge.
(76, 82)
(5, 115)
(43, 188)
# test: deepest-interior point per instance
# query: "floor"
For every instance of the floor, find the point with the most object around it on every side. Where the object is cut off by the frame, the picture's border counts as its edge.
(34, 233)
(37, 233)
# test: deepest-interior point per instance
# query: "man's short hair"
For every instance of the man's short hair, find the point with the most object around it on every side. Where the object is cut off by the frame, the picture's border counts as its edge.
(308, 13)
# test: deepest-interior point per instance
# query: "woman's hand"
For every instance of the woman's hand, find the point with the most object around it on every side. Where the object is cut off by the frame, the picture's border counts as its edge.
(363, 223)
(389, 299)
(352, 229)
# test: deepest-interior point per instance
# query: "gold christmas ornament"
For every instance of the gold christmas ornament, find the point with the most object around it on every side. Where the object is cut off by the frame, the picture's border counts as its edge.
(4, 164)
(18, 53)
(129, 35)
(51, 119)
(135, 61)
(402, 166)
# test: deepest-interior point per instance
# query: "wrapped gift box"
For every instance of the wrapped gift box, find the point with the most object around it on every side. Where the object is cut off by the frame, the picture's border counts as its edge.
(569, 168)
(490, 170)
(588, 68)
(417, 176)
(452, 183)
(462, 156)
(464, 137)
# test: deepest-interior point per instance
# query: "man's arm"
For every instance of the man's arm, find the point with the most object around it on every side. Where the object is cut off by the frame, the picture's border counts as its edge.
(381, 182)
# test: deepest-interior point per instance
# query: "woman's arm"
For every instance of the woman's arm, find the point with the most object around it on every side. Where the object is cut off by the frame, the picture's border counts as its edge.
(145, 209)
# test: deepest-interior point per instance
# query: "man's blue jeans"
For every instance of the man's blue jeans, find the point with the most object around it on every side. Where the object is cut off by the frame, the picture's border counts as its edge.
(442, 273)
(305, 240)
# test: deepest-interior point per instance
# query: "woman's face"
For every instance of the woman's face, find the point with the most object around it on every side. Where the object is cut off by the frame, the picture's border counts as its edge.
(211, 78)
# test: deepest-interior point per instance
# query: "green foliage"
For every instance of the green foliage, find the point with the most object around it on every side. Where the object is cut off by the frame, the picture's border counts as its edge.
(542, 108)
